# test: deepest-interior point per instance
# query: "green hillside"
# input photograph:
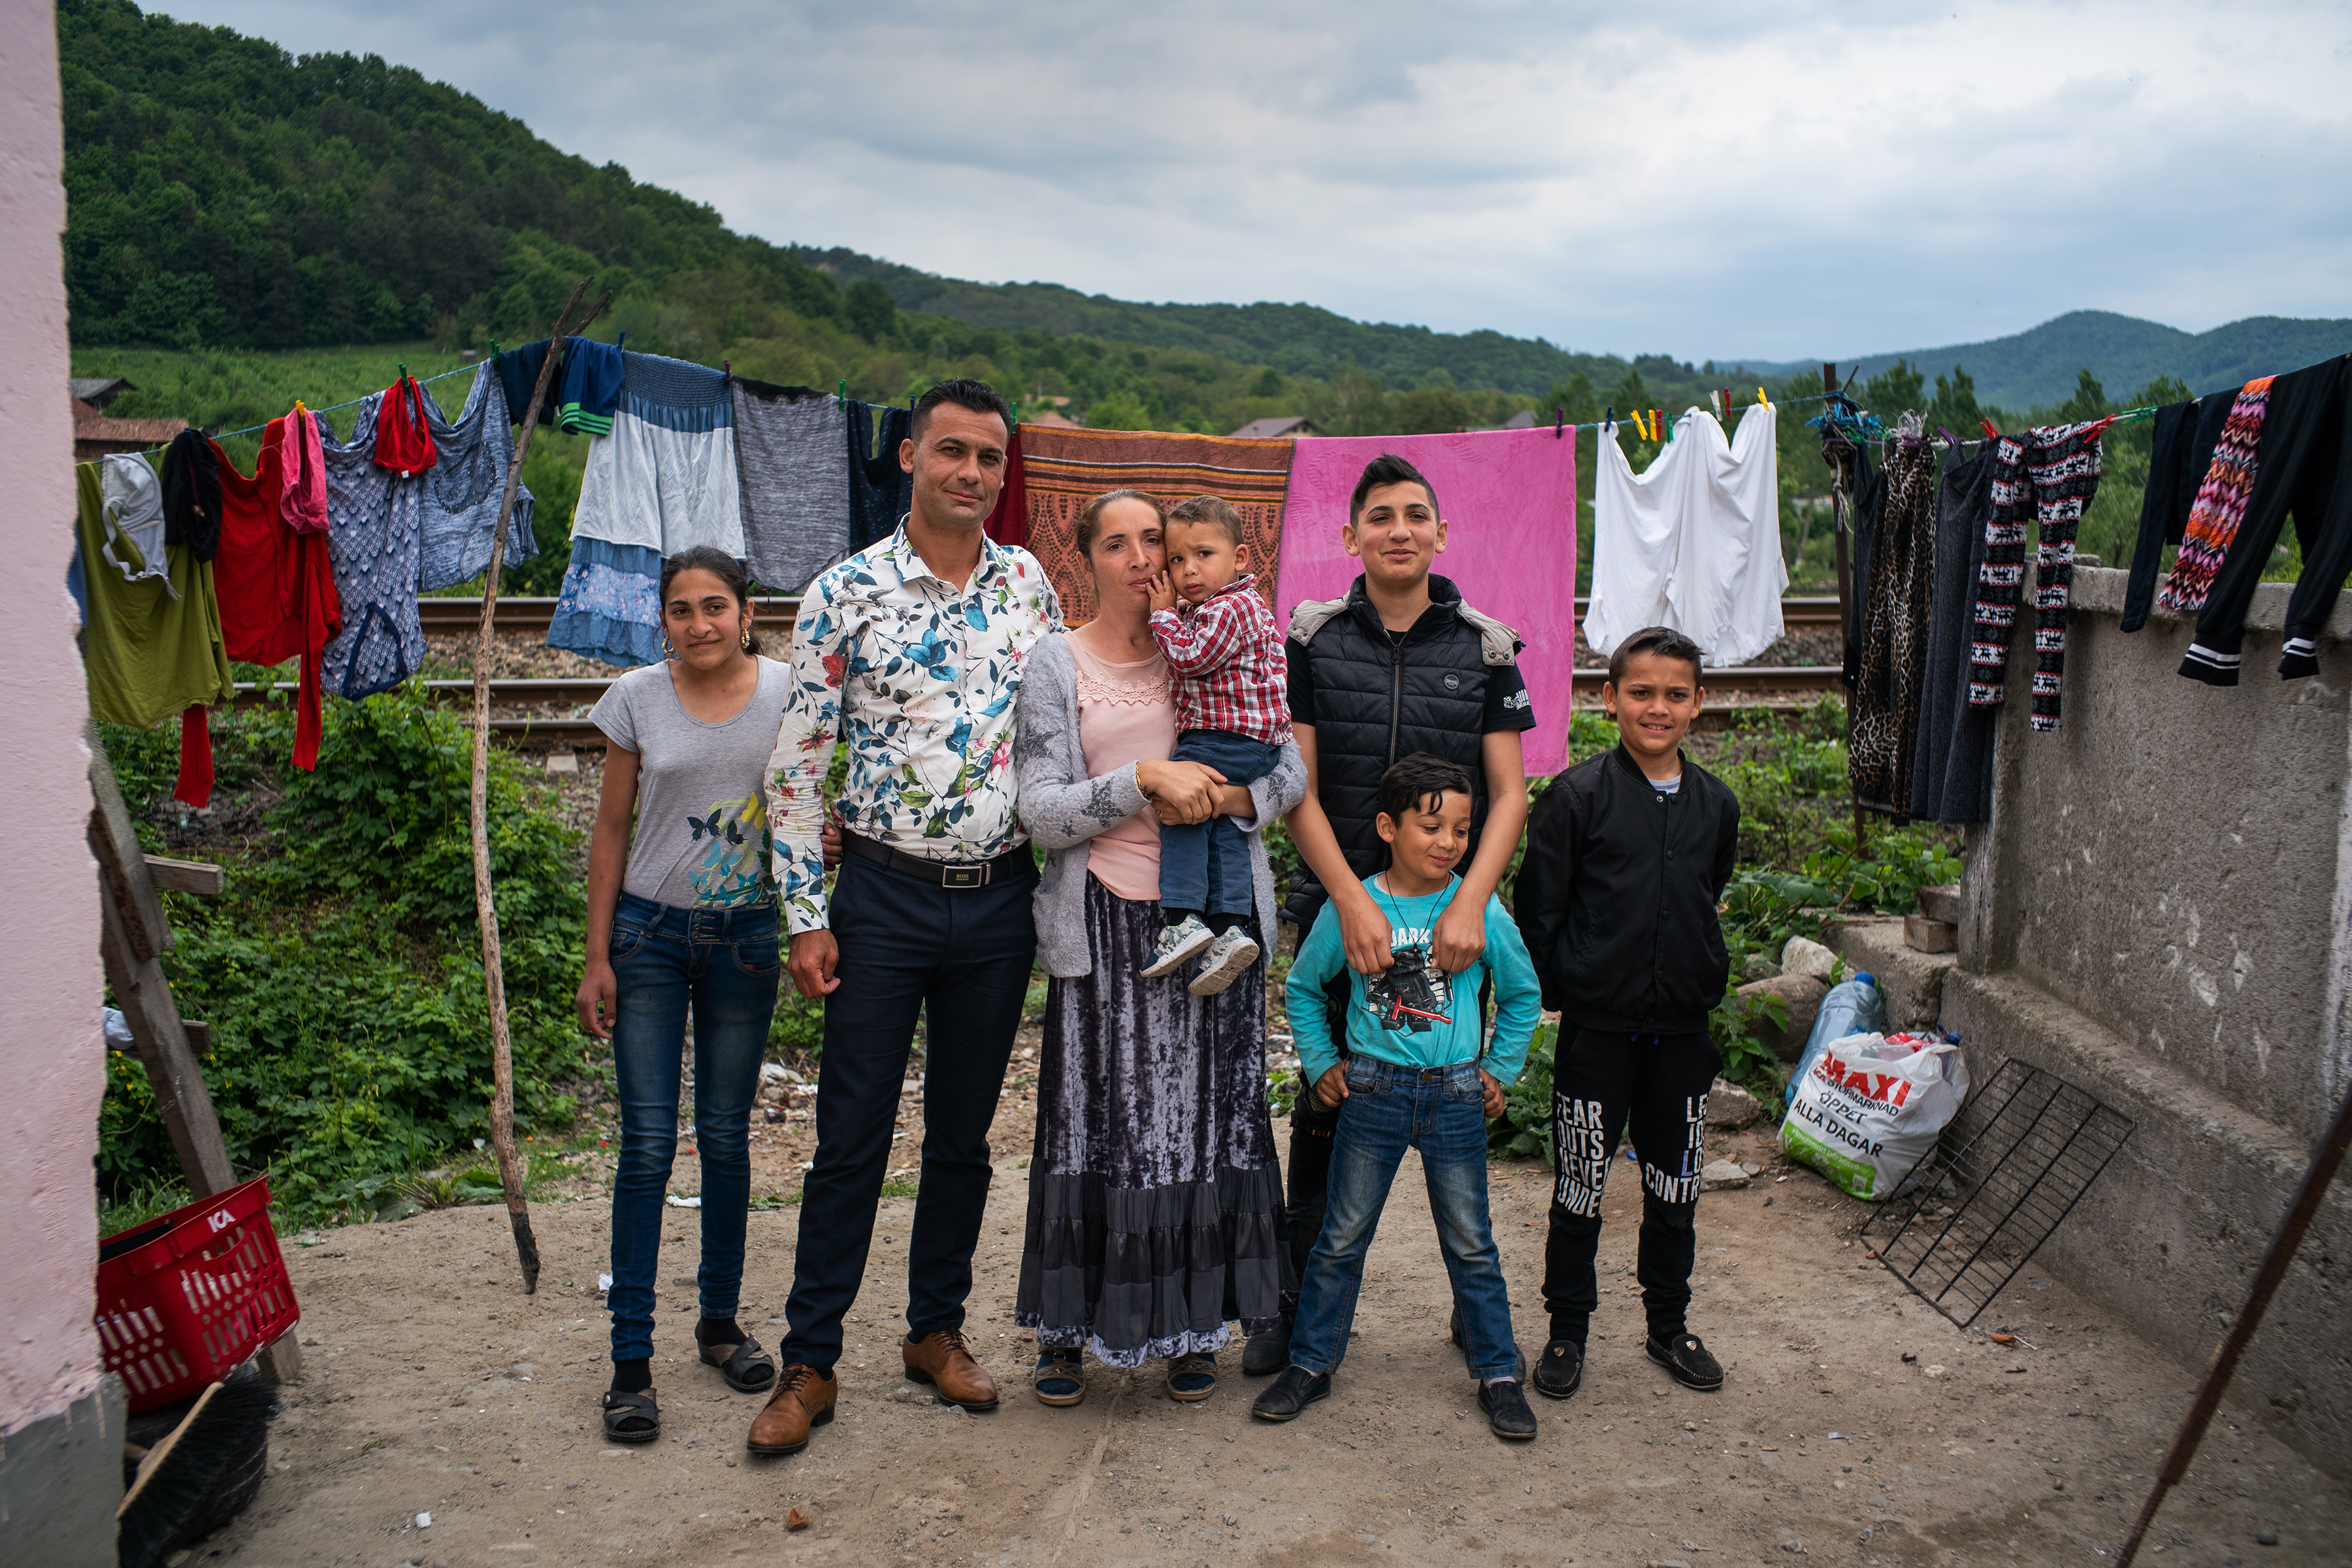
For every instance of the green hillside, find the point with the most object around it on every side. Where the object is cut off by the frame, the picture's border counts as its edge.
(245, 226)
(1297, 340)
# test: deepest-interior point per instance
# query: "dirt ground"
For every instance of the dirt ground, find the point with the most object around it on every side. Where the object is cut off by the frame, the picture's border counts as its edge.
(1857, 1425)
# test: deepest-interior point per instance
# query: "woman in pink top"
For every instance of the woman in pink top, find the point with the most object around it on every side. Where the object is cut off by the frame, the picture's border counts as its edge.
(1155, 1198)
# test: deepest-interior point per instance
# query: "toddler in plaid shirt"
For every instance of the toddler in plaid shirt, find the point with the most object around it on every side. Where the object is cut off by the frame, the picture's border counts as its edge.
(1226, 666)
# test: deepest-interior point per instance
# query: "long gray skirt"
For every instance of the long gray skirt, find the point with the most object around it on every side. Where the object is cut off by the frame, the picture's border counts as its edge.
(1155, 1197)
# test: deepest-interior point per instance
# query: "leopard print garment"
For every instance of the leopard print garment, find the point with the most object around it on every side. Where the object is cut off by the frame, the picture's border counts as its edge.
(1894, 626)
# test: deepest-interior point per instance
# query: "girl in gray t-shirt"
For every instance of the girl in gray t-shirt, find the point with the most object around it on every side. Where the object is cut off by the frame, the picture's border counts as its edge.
(682, 917)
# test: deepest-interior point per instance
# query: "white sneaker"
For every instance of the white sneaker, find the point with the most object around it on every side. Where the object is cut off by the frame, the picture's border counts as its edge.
(1227, 960)
(1177, 943)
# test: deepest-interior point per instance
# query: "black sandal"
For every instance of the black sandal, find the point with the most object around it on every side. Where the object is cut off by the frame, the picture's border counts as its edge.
(746, 1367)
(622, 1409)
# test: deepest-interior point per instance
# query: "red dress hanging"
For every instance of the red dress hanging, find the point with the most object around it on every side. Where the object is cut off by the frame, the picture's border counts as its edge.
(276, 586)
(403, 437)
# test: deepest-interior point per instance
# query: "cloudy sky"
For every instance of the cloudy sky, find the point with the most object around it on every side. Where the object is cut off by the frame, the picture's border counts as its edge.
(1716, 178)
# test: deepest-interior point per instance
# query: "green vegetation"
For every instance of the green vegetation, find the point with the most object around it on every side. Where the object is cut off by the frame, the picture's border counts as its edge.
(340, 970)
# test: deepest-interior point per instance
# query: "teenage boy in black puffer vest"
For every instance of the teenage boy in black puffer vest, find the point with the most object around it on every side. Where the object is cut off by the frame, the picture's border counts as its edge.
(1628, 854)
(1401, 664)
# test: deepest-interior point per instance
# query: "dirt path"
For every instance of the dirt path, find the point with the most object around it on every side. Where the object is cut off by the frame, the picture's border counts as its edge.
(436, 1388)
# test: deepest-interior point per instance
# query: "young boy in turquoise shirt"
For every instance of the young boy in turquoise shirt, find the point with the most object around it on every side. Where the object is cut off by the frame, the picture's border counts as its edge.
(1419, 1075)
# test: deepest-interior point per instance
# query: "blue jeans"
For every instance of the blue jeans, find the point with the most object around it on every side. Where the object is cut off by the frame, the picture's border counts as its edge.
(960, 958)
(723, 964)
(1205, 866)
(1388, 1109)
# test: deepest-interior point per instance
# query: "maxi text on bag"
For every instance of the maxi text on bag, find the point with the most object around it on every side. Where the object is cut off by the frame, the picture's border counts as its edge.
(1871, 1105)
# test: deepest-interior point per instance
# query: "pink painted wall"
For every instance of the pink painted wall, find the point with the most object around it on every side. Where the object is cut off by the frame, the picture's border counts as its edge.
(52, 1056)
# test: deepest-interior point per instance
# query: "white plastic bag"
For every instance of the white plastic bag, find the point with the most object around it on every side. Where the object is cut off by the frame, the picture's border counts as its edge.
(1871, 1106)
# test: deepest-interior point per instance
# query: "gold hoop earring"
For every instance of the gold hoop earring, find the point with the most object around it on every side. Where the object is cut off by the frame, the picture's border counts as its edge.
(667, 651)
(747, 636)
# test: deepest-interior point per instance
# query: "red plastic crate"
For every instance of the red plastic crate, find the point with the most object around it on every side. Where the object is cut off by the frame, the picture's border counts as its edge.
(190, 1294)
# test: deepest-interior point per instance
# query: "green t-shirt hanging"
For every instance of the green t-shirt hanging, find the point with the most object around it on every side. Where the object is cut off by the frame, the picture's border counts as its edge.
(149, 651)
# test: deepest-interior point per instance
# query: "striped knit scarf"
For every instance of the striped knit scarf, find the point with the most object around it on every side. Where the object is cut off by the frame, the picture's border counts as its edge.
(2052, 471)
(2220, 504)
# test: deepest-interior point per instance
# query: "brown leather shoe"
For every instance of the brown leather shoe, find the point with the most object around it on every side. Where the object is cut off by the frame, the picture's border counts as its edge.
(942, 1361)
(804, 1397)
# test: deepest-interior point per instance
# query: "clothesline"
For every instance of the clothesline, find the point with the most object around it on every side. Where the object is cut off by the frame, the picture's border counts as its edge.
(330, 408)
(1873, 431)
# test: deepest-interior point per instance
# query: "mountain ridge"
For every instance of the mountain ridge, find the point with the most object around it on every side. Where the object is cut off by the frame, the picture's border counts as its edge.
(2038, 366)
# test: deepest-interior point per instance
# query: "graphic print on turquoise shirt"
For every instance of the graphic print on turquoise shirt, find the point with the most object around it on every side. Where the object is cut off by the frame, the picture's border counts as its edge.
(1421, 1018)
(730, 864)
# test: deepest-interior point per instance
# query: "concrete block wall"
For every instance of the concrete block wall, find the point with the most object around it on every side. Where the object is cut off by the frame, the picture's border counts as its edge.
(2158, 913)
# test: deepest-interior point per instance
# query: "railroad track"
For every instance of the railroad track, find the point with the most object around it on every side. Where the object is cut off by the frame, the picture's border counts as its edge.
(518, 615)
(1749, 687)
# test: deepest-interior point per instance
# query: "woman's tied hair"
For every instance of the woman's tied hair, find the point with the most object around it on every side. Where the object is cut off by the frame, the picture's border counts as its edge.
(1090, 518)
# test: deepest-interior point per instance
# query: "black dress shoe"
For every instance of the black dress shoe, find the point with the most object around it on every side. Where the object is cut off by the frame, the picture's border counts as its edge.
(1562, 1371)
(1506, 1410)
(1293, 1392)
(1687, 1360)
(1264, 1354)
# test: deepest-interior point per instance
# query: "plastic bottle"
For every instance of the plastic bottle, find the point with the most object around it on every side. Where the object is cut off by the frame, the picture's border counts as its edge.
(1853, 1007)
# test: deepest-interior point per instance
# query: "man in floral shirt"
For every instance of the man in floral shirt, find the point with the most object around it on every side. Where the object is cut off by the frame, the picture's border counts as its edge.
(911, 653)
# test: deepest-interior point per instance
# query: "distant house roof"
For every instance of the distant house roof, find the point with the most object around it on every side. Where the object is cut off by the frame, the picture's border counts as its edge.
(1525, 419)
(97, 391)
(1052, 420)
(1275, 429)
(95, 435)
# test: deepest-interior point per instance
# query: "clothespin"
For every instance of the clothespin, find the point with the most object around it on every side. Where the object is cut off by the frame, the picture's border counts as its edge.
(2099, 429)
(841, 397)
(1762, 399)
(494, 348)
(622, 342)
(1559, 423)
(726, 369)
(1950, 441)
(1609, 419)
(1991, 433)
(403, 372)
(1668, 423)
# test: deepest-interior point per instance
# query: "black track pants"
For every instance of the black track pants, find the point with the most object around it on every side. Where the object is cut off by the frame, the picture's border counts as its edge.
(1600, 1081)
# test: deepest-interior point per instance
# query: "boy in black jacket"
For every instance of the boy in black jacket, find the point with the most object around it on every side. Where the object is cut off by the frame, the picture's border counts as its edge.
(1627, 856)
(1401, 664)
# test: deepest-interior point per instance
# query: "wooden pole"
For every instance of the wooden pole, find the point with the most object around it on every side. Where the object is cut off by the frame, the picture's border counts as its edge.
(2324, 1159)
(502, 1138)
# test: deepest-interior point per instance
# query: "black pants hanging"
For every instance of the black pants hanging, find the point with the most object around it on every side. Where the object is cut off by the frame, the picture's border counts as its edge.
(2302, 472)
(1601, 1081)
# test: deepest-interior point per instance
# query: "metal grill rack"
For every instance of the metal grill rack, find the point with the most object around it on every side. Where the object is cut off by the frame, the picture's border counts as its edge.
(2010, 1168)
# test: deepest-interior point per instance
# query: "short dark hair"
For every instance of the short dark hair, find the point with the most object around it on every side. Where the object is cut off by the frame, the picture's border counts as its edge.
(1417, 778)
(1663, 641)
(1388, 469)
(1208, 509)
(964, 393)
(719, 565)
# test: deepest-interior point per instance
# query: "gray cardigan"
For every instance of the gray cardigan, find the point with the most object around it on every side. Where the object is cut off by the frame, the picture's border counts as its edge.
(1062, 807)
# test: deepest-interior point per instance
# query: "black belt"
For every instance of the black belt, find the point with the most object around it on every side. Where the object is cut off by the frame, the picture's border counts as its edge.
(939, 873)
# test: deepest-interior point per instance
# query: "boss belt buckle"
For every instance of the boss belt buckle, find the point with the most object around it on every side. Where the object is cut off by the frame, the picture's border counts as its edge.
(963, 876)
